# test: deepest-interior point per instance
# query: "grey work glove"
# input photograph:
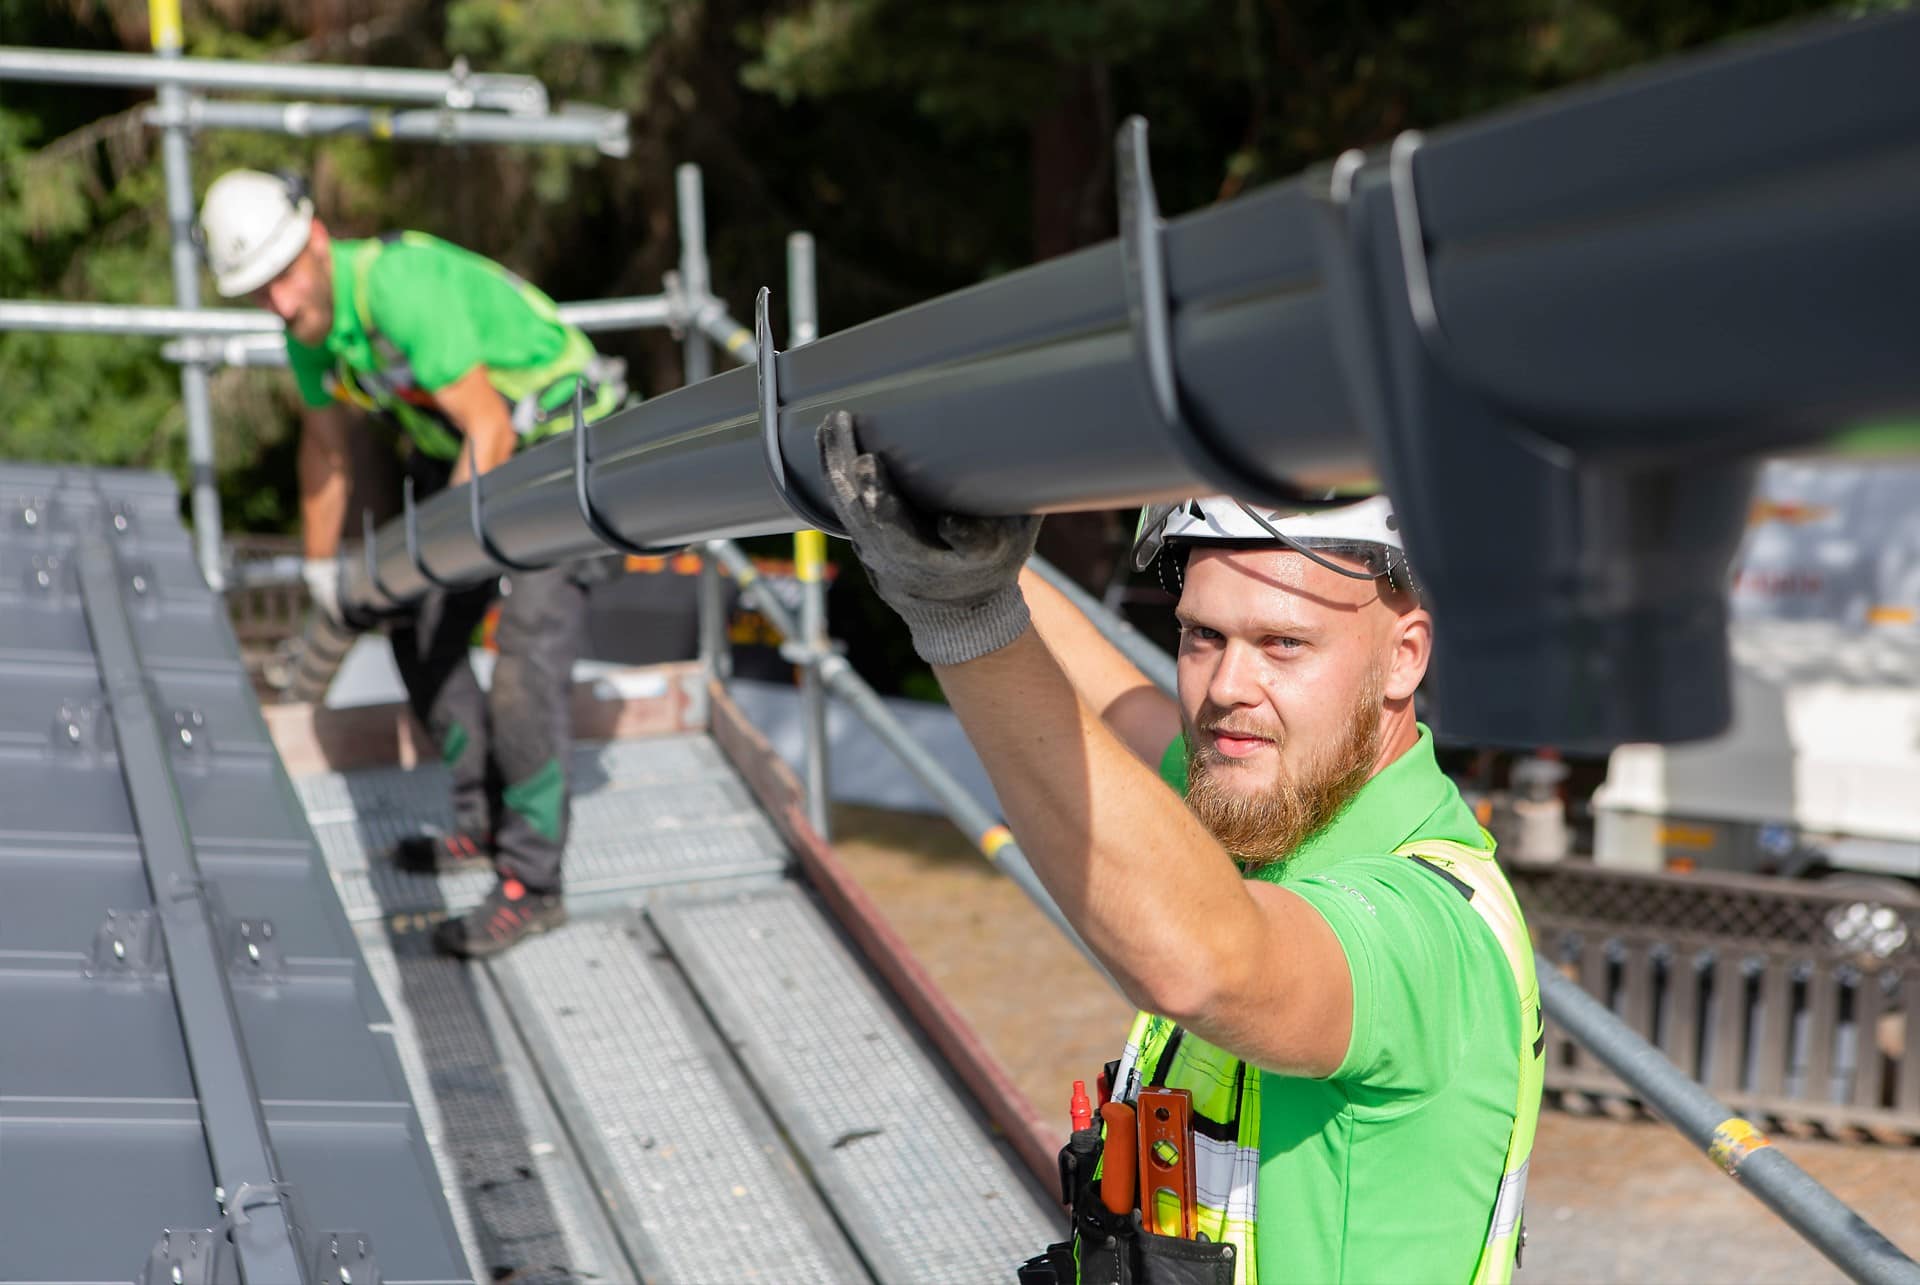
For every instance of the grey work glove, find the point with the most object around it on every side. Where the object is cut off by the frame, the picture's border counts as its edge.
(322, 577)
(954, 580)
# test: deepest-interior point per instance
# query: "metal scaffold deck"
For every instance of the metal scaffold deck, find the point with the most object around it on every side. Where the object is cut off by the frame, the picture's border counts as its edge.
(678, 1085)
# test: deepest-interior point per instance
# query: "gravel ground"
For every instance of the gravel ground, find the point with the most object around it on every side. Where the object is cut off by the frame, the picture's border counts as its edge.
(1610, 1199)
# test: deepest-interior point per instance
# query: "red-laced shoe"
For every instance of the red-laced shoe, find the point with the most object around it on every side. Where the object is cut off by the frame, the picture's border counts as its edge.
(510, 912)
(440, 852)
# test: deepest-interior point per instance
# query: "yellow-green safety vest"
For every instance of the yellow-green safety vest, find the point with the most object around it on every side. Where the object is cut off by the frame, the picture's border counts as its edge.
(539, 397)
(1226, 1091)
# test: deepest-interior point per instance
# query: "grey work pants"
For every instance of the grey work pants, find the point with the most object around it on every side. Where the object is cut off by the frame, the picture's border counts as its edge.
(507, 748)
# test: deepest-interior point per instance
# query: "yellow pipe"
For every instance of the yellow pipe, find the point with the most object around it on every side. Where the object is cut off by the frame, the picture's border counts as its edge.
(163, 20)
(809, 555)
(992, 840)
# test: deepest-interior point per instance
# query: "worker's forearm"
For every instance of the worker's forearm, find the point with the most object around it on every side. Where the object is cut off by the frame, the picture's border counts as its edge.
(492, 445)
(322, 466)
(1129, 866)
(481, 416)
(1144, 718)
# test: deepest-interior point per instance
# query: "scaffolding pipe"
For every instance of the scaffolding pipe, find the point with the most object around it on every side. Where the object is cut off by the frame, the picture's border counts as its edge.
(458, 88)
(733, 339)
(634, 313)
(603, 130)
(987, 833)
(696, 361)
(810, 565)
(133, 319)
(803, 305)
(196, 397)
(1513, 296)
(1159, 667)
(1853, 1245)
(249, 337)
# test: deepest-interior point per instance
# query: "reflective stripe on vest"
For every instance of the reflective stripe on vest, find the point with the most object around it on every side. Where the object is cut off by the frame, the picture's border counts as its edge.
(1492, 898)
(538, 397)
(1226, 1091)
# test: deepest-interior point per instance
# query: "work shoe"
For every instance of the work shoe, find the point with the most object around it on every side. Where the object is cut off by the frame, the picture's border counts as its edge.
(510, 912)
(440, 852)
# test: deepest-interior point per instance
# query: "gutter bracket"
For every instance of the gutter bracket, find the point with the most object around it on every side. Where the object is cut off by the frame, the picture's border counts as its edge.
(370, 555)
(597, 522)
(476, 513)
(768, 372)
(411, 525)
(1143, 258)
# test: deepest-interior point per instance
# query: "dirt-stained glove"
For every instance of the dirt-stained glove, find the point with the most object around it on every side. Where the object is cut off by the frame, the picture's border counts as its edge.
(322, 576)
(954, 580)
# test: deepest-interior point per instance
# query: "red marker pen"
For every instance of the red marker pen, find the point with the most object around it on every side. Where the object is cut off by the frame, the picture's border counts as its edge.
(1079, 1107)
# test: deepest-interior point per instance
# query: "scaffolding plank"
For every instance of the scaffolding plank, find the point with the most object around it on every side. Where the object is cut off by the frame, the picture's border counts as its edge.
(700, 1185)
(525, 1208)
(914, 1175)
(693, 819)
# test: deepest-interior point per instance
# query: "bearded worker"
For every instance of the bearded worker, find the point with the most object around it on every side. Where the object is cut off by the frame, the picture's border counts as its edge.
(1324, 952)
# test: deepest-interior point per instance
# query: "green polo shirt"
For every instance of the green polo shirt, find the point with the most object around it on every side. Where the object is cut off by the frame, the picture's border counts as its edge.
(414, 313)
(1387, 1169)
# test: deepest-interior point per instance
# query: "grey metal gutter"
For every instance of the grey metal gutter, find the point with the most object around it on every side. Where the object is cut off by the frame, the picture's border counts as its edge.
(1554, 333)
(244, 1165)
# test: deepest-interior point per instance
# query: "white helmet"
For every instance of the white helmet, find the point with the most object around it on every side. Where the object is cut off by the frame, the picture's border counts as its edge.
(253, 225)
(1366, 530)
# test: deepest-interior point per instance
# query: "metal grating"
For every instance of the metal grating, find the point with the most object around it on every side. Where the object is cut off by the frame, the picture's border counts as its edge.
(385, 970)
(707, 1189)
(487, 1149)
(924, 1191)
(645, 813)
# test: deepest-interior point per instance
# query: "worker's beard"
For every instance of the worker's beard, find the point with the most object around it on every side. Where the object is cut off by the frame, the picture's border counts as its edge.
(1264, 827)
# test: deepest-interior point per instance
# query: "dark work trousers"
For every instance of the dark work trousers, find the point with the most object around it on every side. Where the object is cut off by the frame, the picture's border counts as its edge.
(507, 748)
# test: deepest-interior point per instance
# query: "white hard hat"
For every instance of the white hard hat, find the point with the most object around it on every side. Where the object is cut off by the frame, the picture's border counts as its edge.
(1365, 530)
(253, 226)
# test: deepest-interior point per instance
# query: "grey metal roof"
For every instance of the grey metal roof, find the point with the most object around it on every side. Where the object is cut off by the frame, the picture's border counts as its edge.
(193, 1043)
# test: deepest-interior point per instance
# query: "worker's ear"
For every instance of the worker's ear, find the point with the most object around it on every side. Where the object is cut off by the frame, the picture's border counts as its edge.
(1411, 648)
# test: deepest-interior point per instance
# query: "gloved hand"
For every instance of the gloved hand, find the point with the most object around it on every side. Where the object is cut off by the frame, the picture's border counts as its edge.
(322, 576)
(954, 580)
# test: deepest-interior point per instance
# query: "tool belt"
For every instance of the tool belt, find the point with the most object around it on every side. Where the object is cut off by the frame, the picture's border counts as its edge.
(1108, 1248)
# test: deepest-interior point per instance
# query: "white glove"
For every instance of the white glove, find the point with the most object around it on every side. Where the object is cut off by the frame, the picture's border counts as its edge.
(323, 586)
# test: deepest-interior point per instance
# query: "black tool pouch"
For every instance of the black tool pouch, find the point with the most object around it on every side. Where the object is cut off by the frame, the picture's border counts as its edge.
(1114, 1250)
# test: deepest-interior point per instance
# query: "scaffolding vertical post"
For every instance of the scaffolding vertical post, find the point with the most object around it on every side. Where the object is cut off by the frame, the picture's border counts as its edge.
(809, 562)
(696, 357)
(714, 656)
(164, 20)
(803, 307)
